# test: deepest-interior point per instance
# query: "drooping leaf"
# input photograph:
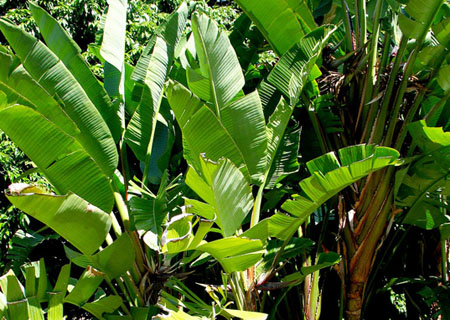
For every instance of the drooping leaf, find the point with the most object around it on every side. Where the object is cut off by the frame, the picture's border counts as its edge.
(328, 178)
(106, 304)
(79, 222)
(324, 260)
(295, 247)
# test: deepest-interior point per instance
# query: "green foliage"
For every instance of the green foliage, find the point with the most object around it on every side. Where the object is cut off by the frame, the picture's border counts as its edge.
(186, 155)
(24, 301)
(13, 163)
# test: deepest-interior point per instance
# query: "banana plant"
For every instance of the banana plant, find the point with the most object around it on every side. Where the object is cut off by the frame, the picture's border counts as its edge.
(131, 212)
(386, 67)
(225, 163)
(76, 129)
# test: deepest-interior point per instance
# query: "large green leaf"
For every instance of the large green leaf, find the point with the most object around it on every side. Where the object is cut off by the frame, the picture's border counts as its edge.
(292, 72)
(427, 180)
(151, 73)
(282, 22)
(225, 189)
(235, 253)
(105, 304)
(327, 179)
(117, 258)
(219, 74)
(113, 47)
(65, 162)
(68, 51)
(85, 287)
(239, 135)
(442, 32)
(80, 223)
(282, 148)
(50, 72)
(418, 17)
(21, 88)
(149, 214)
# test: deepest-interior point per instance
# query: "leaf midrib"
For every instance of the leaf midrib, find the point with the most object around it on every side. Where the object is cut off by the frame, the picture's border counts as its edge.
(211, 82)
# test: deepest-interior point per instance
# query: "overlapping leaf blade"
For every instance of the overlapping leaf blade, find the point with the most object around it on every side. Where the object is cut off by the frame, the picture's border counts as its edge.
(235, 253)
(225, 189)
(205, 133)
(292, 71)
(68, 51)
(328, 178)
(46, 68)
(282, 148)
(282, 22)
(218, 63)
(427, 180)
(151, 73)
(418, 17)
(60, 157)
(21, 88)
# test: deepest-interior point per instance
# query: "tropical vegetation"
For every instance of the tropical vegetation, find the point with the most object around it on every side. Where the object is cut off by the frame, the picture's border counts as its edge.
(269, 160)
